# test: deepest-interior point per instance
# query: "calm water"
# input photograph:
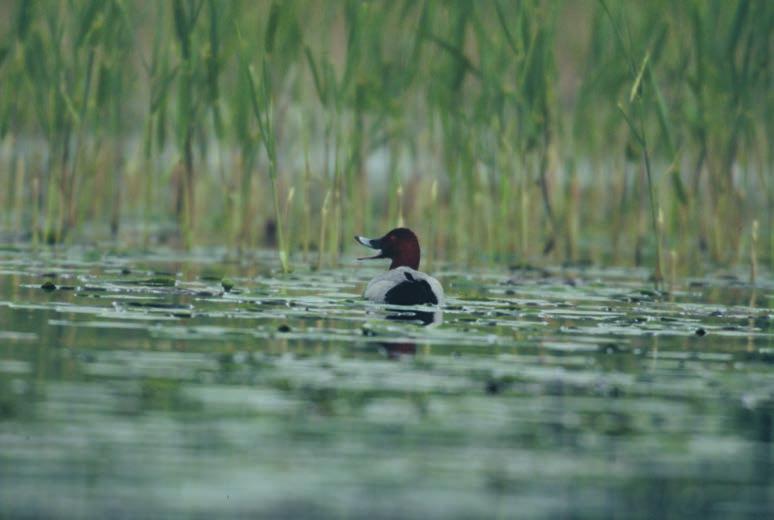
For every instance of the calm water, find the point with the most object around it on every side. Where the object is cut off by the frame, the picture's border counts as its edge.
(137, 387)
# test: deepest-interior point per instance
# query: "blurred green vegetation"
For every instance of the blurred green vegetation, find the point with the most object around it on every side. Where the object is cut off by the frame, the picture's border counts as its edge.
(612, 132)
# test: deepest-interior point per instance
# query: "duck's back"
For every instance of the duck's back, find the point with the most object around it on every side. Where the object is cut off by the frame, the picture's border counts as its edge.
(405, 286)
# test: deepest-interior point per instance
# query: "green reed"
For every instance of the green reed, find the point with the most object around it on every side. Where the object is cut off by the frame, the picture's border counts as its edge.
(493, 127)
(262, 107)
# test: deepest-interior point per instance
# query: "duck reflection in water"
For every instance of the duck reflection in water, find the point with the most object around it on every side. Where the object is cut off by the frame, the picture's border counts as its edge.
(419, 317)
(396, 350)
(423, 318)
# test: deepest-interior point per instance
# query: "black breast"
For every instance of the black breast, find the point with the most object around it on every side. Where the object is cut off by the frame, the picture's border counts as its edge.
(411, 292)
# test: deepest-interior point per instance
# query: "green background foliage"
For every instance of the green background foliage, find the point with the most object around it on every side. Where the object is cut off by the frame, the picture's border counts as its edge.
(615, 132)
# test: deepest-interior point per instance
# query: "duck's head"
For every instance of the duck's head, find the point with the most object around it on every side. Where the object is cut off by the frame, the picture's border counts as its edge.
(400, 245)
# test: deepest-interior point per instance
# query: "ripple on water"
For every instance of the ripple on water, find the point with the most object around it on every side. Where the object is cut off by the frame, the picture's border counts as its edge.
(146, 389)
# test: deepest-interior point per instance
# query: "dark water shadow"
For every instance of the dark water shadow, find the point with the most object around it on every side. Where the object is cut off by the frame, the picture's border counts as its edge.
(397, 350)
(418, 317)
(423, 318)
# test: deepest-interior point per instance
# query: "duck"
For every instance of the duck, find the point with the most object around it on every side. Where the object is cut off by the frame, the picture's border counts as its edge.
(403, 283)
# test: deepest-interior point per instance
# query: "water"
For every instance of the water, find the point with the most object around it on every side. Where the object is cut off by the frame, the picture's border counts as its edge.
(137, 387)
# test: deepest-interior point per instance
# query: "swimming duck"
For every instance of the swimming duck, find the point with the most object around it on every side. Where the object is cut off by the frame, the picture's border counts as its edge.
(403, 284)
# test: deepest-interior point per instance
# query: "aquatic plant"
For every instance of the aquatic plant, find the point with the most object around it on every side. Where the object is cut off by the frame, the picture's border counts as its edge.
(494, 127)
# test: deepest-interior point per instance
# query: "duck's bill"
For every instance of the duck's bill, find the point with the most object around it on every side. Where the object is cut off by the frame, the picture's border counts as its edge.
(373, 244)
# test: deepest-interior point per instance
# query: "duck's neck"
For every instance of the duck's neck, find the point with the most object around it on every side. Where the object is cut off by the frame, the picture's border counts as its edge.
(406, 258)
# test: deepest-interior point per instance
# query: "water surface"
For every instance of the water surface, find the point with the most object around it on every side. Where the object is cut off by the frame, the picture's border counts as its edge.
(133, 385)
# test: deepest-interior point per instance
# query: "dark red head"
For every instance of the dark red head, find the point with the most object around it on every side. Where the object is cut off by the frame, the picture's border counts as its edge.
(400, 245)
